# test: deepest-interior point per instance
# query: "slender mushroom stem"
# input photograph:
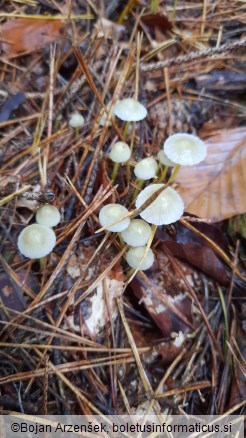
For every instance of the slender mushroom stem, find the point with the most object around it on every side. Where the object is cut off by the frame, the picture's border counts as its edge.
(163, 174)
(126, 129)
(115, 171)
(121, 240)
(130, 273)
(42, 263)
(139, 183)
(174, 173)
(77, 133)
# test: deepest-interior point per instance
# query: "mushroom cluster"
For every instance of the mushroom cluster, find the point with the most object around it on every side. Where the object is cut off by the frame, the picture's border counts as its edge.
(136, 233)
(38, 240)
(156, 204)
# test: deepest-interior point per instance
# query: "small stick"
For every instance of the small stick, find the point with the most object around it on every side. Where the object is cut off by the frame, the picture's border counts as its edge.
(192, 56)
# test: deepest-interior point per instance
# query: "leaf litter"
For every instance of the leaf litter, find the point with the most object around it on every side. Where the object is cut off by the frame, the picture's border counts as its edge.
(21, 36)
(174, 331)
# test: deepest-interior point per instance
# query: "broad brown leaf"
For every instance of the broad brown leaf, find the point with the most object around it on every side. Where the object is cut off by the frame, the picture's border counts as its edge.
(164, 317)
(215, 189)
(24, 35)
(192, 248)
(200, 257)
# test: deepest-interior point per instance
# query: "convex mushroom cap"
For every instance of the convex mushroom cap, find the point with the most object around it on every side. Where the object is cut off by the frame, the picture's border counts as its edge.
(161, 156)
(48, 215)
(135, 255)
(167, 208)
(76, 120)
(111, 213)
(137, 234)
(36, 241)
(120, 152)
(185, 149)
(146, 168)
(130, 110)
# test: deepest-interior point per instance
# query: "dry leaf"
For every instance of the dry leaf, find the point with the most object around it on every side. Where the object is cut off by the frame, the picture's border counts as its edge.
(215, 189)
(11, 296)
(24, 35)
(164, 317)
(200, 257)
(192, 248)
(157, 20)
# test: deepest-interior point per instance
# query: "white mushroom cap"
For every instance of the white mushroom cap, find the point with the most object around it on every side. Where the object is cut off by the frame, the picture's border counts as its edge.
(111, 213)
(48, 215)
(185, 149)
(137, 234)
(146, 168)
(135, 255)
(161, 156)
(76, 120)
(36, 241)
(130, 110)
(167, 208)
(120, 152)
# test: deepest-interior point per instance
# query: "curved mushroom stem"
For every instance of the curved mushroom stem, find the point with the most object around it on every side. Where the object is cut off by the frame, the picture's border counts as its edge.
(174, 173)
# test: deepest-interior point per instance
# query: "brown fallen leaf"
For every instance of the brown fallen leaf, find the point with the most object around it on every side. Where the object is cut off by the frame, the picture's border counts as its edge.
(190, 247)
(216, 188)
(164, 317)
(149, 337)
(157, 20)
(11, 296)
(200, 257)
(24, 35)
